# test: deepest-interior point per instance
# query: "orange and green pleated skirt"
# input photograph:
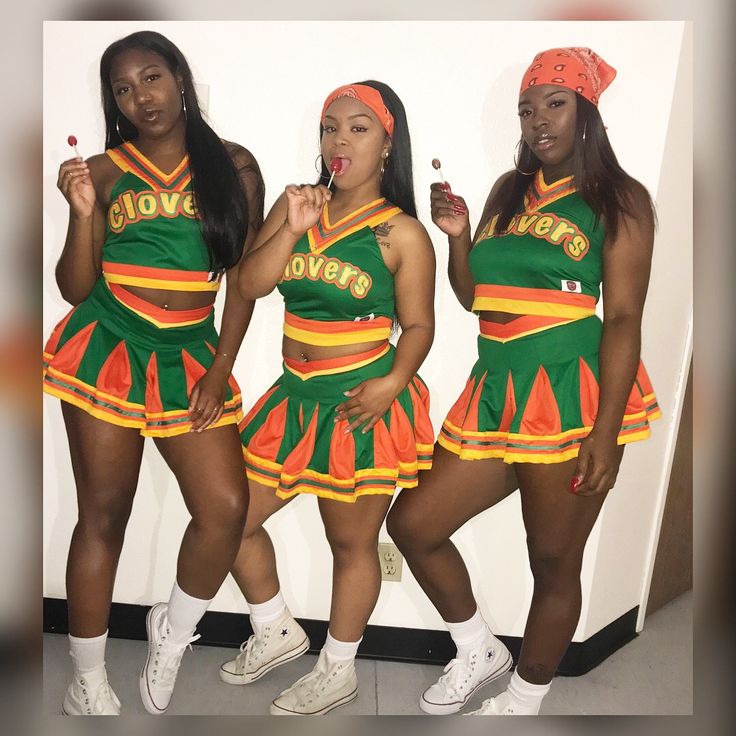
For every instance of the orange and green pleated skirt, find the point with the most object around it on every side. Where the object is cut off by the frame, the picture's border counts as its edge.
(535, 398)
(292, 444)
(120, 367)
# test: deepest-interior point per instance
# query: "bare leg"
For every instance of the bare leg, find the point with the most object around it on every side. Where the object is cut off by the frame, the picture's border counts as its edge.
(352, 532)
(209, 470)
(558, 524)
(423, 519)
(254, 568)
(106, 461)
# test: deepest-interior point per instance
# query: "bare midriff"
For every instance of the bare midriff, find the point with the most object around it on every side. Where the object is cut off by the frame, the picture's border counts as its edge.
(296, 350)
(501, 318)
(173, 300)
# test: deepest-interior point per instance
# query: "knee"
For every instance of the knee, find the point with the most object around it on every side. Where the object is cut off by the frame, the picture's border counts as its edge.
(554, 568)
(347, 547)
(225, 513)
(104, 524)
(410, 534)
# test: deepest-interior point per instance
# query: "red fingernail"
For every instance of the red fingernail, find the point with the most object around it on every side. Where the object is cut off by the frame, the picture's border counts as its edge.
(459, 210)
(574, 483)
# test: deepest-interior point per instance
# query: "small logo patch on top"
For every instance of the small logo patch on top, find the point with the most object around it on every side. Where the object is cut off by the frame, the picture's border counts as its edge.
(571, 286)
(367, 318)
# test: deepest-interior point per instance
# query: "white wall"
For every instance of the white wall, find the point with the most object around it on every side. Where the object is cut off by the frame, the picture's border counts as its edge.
(459, 83)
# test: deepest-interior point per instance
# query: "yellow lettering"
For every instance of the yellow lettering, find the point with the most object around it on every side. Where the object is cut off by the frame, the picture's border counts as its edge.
(329, 273)
(314, 266)
(147, 204)
(298, 265)
(169, 202)
(563, 228)
(127, 200)
(347, 273)
(361, 286)
(524, 222)
(187, 204)
(115, 217)
(543, 225)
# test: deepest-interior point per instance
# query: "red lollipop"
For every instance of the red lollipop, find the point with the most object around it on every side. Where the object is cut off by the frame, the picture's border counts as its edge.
(72, 141)
(336, 167)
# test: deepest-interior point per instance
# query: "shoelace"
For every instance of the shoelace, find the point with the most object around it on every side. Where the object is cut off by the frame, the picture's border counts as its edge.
(252, 646)
(168, 659)
(456, 678)
(102, 693)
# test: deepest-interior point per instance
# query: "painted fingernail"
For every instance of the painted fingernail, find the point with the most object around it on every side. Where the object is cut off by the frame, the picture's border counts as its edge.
(459, 210)
(574, 483)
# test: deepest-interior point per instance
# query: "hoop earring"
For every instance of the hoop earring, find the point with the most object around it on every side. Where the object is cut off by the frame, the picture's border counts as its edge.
(516, 160)
(384, 158)
(318, 167)
(183, 104)
(117, 127)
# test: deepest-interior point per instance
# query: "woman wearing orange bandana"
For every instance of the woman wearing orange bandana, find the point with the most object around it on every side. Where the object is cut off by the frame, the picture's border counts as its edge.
(555, 392)
(347, 421)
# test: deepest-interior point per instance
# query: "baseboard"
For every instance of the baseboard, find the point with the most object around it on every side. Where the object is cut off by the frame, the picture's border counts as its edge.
(128, 621)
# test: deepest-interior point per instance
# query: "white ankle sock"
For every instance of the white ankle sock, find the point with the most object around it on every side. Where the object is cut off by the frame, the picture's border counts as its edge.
(468, 634)
(87, 653)
(263, 613)
(523, 694)
(341, 651)
(184, 612)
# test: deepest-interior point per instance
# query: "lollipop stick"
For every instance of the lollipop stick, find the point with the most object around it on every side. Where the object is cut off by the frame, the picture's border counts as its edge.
(332, 176)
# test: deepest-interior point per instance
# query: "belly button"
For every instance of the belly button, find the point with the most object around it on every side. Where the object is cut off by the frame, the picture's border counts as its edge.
(166, 306)
(303, 357)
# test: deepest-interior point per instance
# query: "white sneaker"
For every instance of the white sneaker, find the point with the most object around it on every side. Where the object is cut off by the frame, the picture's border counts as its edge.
(158, 675)
(491, 707)
(328, 686)
(279, 642)
(90, 694)
(464, 677)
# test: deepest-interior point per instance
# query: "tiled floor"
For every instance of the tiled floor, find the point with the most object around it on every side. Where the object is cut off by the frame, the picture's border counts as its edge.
(651, 675)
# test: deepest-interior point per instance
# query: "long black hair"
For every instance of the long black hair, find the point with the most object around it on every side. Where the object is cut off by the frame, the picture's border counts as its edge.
(597, 174)
(222, 208)
(397, 182)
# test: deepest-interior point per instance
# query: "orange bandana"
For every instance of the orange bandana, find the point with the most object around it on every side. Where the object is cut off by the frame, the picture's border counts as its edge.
(577, 68)
(368, 96)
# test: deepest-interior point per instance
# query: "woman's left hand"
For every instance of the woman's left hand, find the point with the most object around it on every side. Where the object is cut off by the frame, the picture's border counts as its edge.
(598, 462)
(367, 403)
(207, 400)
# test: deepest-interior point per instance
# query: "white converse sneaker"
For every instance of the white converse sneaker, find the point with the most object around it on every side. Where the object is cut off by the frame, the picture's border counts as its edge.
(90, 694)
(464, 677)
(158, 675)
(279, 642)
(492, 707)
(328, 686)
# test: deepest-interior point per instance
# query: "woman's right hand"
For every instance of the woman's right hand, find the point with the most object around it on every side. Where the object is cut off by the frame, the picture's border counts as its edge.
(449, 212)
(304, 206)
(76, 185)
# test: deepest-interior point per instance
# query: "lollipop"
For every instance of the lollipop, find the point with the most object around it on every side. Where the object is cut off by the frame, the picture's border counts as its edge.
(72, 141)
(436, 164)
(336, 166)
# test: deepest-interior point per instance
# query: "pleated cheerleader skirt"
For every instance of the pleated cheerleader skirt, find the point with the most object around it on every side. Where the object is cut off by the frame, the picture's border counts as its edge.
(134, 364)
(533, 399)
(291, 442)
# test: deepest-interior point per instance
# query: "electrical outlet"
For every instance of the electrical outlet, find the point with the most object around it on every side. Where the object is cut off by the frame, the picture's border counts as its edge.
(390, 560)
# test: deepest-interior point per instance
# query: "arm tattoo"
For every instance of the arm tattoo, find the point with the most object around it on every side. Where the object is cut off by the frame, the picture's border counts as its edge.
(382, 230)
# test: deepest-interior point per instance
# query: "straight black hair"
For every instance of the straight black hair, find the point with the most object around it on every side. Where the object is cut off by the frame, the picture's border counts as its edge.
(397, 183)
(597, 174)
(222, 208)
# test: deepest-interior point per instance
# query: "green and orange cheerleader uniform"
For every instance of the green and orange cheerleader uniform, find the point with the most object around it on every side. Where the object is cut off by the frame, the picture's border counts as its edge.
(115, 355)
(337, 291)
(532, 396)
